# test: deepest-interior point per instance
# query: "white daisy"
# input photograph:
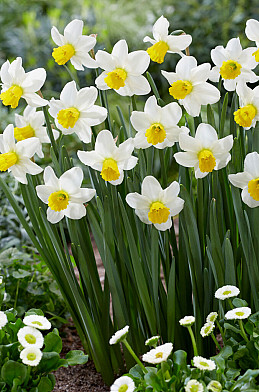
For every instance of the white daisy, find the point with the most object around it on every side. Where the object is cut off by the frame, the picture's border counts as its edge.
(3, 319)
(39, 322)
(158, 354)
(238, 313)
(203, 363)
(214, 386)
(16, 84)
(193, 386)
(252, 33)
(152, 341)
(212, 317)
(156, 205)
(205, 152)
(31, 356)
(30, 337)
(207, 329)
(227, 291)
(123, 384)
(187, 321)
(1, 279)
(119, 335)
(248, 113)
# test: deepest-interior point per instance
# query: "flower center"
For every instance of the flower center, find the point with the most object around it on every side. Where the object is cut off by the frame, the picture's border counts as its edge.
(180, 89)
(110, 171)
(206, 330)
(38, 322)
(23, 133)
(30, 338)
(253, 188)
(158, 51)
(63, 53)
(207, 161)
(155, 134)
(194, 388)
(123, 388)
(240, 313)
(115, 79)
(31, 356)
(204, 364)
(68, 117)
(159, 355)
(7, 160)
(227, 292)
(244, 116)
(158, 212)
(256, 54)
(12, 96)
(230, 69)
(58, 201)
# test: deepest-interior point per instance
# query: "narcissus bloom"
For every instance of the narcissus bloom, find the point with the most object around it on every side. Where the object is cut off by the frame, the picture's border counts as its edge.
(76, 112)
(194, 386)
(16, 84)
(30, 337)
(109, 159)
(189, 86)
(30, 124)
(15, 157)
(187, 321)
(35, 321)
(155, 205)
(227, 291)
(64, 195)
(158, 354)
(207, 329)
(203, 363)
(123, 384)
(119, 335)
(252, 33)
(123, 71)
(163, 42)
(73, 46)
(233, 64)
(205, 152)
(31, 356)
(238, 313)
(248, 113)
(157, 126)
(248, 180)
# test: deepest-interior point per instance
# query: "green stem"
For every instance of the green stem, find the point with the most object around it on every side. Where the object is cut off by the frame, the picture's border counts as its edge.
(72, 76)
(215, 341)
(163, 171)
(133, 102)
(243, 331)
(27, 376)
(195, 350)
(134, 355)
(221, 331)
(50, 132)
(230, 303)
(16, 294)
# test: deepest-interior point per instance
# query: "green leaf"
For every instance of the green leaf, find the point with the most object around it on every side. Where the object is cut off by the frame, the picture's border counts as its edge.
(20, 274)
(76, 357)
(180, 357)
(13, 371)
(239, 303)
(50, 362)
(153, 380)
(33, 312)
(52, 342)
(45, 385)
(136, 372)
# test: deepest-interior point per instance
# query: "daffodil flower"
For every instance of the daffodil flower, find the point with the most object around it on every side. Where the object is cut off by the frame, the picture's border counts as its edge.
(17, 84)
(76, 112)
(15, 157)
(205, 152)
(252, 33)
(164, 43)
(189, 86)
(109, 159)
(123, 71)
(73, 46)
(248, 113)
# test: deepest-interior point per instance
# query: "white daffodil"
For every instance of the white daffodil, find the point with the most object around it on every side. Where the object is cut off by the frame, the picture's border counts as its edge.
(233, 64)
(64, 195)
(163, 42)
(156, 205)
(31, 356)
(205, 152)
(203, 363)
(157, 126)
(31, 125)
(158, 354)
(212, 317)
(16, 84)
(3, 319)
(207, 329)
(15, 157)
(248, 180)
(109, 159)
(189, 86)
(73, 46)
(119, 335)
(238, 313)
(194, 386)
(252, 33)
(39, 322)
(152, 341)
(76, 112)
(123, 71)
(248, 113)
(187, 321)
(123, 384)
(30, 337)
(214, 386)
(227, 291)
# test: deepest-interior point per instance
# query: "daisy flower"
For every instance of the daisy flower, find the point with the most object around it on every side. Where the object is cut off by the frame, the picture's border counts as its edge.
(203, 363)
(152, 341)
(157, 126)
(123, 384)
(39, 322)
(15, 157)
(252, 33)
(238, 313)
(248, 180)
(233, 64)
(158, 354)
(76, 111)
(64, 195)
(109, 159)
(248, 113)
(212, 317)
(119, 335)
(163, 42)
(225, 292)
(73, 46)
(155, 205)
(207, 329)
(193, 386)
(3, 319)
(123, 71)
(30, 337)
(189, 86)
(31, 125)
(16, 84)
(205, 152)
(31, 356)
(187, 321)
(214, 386)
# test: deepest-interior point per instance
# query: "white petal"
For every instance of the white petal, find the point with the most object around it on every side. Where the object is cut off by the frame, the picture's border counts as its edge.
(247, 199)
(143, 215)
(186, 159)
(252, 30)
(188, 143)
(71, 180)
(19, 173)
(75, 211)
(91, 158)
(125, 150)
(27, 147)
(105, 60)
(120, 179)
(218, 55)
(171, 77)
(57, 37)
(69, 94)
(223, 145)
(84, 133)
(120, 51)
(87, 60)
(230, 84)
(34, 100)
(176, 205)
(251, 164)
(50, 178)
(164, 226)
(200, 73)
(105, 145)
(73, 30)
(138, 85)
(240, 180)
(214, 74)
(234, 48)
(206, 134)
(95, 115)
(171, 192)
(100, 83)
(4, 74)
(180, 42)
(54, 216)
(43, 192)
(160, 29)
(16, 71)
(191, 104)
(86, 97)
(137, 201)
(151, 188)
(8, 141)
(137, 62)
(29, 166)
(83, 195)
(139, 121)
(77, 63)
(140, 141)
(184, 67)
(130, 163)
(34, 80)
(171, 114)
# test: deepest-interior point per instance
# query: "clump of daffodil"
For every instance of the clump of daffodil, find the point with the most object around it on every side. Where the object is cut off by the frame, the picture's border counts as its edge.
(252, 33)
(248, 113)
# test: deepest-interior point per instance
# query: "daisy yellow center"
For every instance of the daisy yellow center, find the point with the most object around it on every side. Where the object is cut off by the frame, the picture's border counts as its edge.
(63, 53)
(110, 171)
(31, 356)
(240, 313)
(155, 134)
(7, 160)
(30, 338)
(123, 388)
(158, 213)
(38, 322)
(256, 54)
(68, 117)
(116, 79)
(227, 292)
(58, 201)
(23, 133)
(12, 96)
(158, 51)
(244, 116)
(194, 388)
(159, 355)
(204, 364)
(180, 89)
(253, 189)
(207, 329)
(230, 69)
(207, 161)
